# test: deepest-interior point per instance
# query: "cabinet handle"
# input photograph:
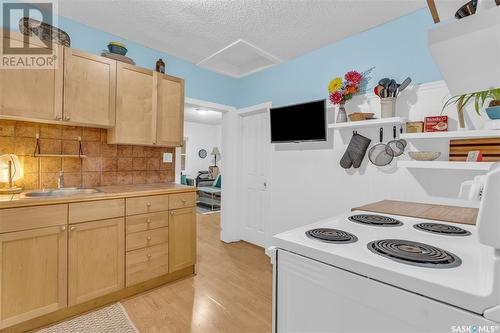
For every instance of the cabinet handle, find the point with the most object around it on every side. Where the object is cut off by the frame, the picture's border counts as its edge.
(67, 118)
(184, 201)
(172, 213)
(148, 204)
(148, 221)
(72, 228)
(149, 238)
(149, 256)
(63, 228)
(58, 117)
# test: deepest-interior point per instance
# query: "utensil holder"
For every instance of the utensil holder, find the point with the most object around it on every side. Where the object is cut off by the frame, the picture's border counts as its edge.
(388, 107)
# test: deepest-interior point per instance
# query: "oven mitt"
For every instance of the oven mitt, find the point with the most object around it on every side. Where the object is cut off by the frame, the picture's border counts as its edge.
(355, 152)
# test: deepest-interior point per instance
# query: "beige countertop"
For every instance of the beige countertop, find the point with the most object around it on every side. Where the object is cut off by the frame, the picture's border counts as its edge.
(106, 192)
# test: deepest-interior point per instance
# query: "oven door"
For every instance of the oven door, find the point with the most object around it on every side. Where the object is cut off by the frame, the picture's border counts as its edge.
(310, 296)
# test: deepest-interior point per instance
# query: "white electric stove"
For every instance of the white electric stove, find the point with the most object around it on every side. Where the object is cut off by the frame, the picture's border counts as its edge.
(366, 272)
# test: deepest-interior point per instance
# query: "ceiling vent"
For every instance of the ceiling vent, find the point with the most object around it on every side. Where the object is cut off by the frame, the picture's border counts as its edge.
(239, 59)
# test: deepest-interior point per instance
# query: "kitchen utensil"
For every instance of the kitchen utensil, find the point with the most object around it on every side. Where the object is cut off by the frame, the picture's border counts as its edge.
(355, 152)
(381, 154)
(384, 82)
(404, 84)
(424, 155)
(466, 10)
(392, 88)
(397, 146)
(403, 141)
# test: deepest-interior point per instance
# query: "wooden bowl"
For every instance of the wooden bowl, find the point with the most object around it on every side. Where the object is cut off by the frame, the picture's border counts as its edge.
(424, 155)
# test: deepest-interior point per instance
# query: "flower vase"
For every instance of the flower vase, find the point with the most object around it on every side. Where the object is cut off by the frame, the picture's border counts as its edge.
(341, 114)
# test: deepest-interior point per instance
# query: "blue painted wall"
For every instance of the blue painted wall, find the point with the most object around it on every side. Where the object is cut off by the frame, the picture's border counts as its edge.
(199, 83)
(397, 49)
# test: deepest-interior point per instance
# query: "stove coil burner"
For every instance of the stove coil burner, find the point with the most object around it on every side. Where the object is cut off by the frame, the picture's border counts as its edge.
(375, 220)
(414, 253)
(331, 235)
(443, 229)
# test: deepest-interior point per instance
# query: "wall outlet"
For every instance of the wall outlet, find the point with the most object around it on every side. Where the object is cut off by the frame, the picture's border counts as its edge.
(167, 157)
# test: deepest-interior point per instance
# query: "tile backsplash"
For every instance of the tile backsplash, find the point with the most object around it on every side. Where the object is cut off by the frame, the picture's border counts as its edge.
(105, 164)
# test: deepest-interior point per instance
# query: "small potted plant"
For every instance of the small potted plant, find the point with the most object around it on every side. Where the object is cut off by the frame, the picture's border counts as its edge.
(342, 91)
(479, 98)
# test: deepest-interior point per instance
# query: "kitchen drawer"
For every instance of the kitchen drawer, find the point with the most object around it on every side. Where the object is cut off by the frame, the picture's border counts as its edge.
(150, 204)
(145, 264)
(141, 239)
(143, 222)
(15, 219)
(96, 210)
(182, 200)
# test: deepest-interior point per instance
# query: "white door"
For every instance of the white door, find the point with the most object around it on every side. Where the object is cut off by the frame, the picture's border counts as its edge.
(254, 152)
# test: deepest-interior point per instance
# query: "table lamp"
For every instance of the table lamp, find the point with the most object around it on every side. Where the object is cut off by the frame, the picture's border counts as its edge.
(10, 171)
(216, 154)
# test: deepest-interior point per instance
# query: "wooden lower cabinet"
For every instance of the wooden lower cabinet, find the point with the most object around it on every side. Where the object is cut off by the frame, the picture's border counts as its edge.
(96, 259)
(182, 238)
(33, 273)
(147, 263)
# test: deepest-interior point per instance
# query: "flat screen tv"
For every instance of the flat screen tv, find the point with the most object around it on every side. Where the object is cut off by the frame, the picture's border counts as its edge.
(299, 123)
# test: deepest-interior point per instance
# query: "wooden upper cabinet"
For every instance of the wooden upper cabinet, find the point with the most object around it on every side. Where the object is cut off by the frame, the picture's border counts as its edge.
(170, 120)
(135, 106)
(96, 259)
(89, 89)
(33, 273)
(181, 238)
(32, 94)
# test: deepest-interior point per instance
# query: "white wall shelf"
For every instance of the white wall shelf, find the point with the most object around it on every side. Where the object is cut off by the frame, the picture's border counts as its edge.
(473, 166)
(369, 123)
(453, 135)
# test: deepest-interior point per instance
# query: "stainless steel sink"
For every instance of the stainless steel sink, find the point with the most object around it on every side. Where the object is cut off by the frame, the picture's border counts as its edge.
(60, 192)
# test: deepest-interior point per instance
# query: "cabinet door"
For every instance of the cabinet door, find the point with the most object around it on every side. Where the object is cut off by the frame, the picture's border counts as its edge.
(33, 273)
(96, 259)
(135, 106)
(170, 126)
(32, 94)
(89, 89)
(181, 238)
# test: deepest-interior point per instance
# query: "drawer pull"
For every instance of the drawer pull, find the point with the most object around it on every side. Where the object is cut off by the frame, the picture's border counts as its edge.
(184, 201)
(149, 238)
(149, 256)
(148, 204)
(148, 221)
(72, 228)
(63, 228)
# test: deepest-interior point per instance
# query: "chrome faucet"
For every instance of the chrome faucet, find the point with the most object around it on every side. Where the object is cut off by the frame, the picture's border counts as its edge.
(60, 180)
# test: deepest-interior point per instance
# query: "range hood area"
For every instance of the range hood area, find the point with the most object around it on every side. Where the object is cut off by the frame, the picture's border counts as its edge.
(467, 51)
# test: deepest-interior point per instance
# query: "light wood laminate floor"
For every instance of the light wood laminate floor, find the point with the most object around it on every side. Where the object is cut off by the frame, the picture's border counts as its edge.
(230, 293)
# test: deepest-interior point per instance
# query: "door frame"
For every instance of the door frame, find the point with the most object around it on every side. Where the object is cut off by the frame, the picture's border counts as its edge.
(231, 138)
(245, 112)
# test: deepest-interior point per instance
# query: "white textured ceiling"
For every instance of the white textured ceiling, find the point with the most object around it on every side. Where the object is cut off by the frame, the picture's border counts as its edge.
(196, 114)
(195, 30)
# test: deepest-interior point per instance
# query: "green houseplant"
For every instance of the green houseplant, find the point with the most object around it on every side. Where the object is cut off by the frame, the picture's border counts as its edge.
(479, 98)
